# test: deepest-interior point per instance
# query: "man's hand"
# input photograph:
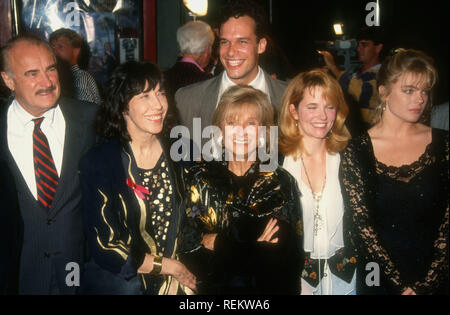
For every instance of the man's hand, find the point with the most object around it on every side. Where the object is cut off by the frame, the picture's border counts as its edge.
(330, 63)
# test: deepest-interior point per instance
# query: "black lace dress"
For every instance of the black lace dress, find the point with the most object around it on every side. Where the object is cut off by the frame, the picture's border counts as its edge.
(238, 208)
(397, 217)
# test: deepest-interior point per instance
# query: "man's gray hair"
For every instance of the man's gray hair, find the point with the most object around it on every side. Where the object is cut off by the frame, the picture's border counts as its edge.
(194, 36)
(28, 38)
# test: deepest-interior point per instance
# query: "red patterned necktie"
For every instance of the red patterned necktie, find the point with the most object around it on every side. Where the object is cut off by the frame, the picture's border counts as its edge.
(44, 166)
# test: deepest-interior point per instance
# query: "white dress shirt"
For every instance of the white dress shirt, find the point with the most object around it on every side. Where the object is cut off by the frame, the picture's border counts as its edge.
(258, 83)
(20, 139)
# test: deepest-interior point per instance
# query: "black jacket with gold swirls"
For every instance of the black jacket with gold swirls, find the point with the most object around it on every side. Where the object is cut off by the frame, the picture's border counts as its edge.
(116, 224)
(238, 209)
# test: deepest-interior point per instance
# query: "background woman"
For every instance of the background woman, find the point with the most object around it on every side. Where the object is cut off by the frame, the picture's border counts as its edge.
(312, 133)
(396, 181)
(248, 220)
(132, 191)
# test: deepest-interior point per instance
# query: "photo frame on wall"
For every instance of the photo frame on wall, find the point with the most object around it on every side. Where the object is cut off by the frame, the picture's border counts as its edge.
(129, 49)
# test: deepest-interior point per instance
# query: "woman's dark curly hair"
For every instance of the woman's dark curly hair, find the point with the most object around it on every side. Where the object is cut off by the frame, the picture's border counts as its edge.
(127, 81)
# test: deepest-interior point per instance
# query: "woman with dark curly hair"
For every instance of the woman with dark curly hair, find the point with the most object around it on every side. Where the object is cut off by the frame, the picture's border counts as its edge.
(133, 191)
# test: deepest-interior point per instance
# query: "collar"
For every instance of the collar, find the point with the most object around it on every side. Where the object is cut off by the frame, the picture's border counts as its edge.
(259, 82)
(190, 60)
(256, 83)
(372, 69)
(26, 118)
(75, 67)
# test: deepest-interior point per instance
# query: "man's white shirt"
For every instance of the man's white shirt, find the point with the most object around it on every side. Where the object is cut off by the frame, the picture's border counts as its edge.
(20, 139)
(258, 83)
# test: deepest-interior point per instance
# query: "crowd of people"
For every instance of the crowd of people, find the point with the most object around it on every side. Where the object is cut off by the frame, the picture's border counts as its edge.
(108, 183)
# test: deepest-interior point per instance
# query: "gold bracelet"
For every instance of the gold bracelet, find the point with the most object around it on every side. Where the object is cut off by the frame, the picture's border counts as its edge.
(157, 265)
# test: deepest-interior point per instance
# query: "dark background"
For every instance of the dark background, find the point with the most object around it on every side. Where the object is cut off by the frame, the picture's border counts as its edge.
(296, 24)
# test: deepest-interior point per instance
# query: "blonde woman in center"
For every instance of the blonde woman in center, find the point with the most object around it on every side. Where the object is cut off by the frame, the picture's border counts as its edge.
(312, 133)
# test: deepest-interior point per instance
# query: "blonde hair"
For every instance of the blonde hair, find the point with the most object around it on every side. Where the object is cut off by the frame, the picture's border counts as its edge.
(290, 139)
(404, 61)
(238, 96)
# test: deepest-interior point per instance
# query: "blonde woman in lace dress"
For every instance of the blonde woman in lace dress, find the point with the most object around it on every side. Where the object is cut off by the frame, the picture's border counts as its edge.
(396, 186)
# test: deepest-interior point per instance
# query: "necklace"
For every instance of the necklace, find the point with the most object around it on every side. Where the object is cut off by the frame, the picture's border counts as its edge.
(317, 196)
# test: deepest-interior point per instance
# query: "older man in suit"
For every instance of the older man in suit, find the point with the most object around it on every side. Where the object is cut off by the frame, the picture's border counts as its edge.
(195, 39)
(42, 138)
(242, 31)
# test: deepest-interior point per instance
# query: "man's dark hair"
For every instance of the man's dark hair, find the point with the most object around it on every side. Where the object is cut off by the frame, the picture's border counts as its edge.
(75, 39)
(240, 8)
(28, 38)
(373, 33)
(127, 81)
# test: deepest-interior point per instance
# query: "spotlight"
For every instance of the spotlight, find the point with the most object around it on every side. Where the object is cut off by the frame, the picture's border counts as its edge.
(196, 7)
(338, 29)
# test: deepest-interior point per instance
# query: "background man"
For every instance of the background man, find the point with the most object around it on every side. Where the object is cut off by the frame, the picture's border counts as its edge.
(361, 85)
(66, 44)
(242, 30)
(195, 39)
(42, 138)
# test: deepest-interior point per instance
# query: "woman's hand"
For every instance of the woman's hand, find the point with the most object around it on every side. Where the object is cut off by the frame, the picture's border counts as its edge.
(208, 241)
(170, 267)
(409, 291)
(180, 272)
(269, 231)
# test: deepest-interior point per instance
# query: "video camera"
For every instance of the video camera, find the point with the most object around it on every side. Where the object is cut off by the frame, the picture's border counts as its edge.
(343, 47)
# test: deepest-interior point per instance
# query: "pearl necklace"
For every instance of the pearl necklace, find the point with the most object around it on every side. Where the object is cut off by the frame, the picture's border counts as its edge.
(318, 220)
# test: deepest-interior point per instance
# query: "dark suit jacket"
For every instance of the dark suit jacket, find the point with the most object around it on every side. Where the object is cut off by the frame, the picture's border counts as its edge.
(200, 99)
(10, 236)
(183, 74)
(53, 238)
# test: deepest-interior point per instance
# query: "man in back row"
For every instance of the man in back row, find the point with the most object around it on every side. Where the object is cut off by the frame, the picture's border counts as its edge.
(361, 86)
(67, 45)
(242, 30)
(195, 39)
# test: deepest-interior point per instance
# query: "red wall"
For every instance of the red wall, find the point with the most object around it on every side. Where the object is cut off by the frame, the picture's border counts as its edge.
(5, 22)
(149, 31)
